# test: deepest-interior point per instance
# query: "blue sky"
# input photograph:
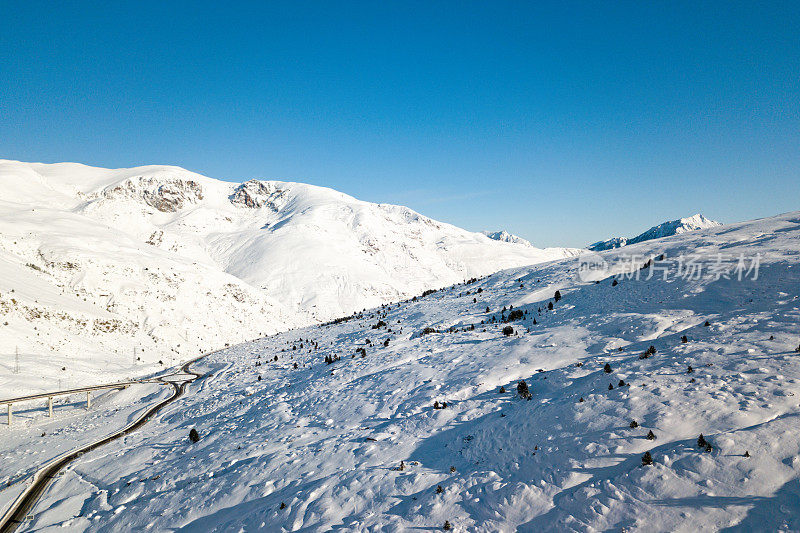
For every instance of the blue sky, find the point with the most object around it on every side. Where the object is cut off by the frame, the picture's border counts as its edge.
(562, 122)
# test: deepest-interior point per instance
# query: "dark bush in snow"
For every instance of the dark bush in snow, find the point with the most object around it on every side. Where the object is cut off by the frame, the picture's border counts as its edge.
(508, 330)
(502, 390)
(689, 369)
(647, 459)
(428, 330)
(614, 283)
(634, 424)
(523, 391)
(194, 436)
(282, 506)
(550, 305)
(516, 314)
(447, 526)
(557, 296)
(684, 339)
(439, 489)
(707, 323)
(607, 368)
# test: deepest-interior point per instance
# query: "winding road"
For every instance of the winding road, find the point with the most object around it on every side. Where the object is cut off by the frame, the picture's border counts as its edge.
(19, 510)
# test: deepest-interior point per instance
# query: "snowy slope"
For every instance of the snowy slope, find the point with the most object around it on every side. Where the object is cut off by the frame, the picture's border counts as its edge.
(665, 229)
(318, 447)
(505, 236)
(96, 263)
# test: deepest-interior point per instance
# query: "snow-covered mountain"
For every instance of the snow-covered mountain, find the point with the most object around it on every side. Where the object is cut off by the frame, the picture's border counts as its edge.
(98, 262)
(290, 443)
(665, 229)
(505, 236)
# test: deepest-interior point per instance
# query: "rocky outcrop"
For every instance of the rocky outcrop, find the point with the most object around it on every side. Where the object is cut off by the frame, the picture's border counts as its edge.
(167, 194)
(257, 194)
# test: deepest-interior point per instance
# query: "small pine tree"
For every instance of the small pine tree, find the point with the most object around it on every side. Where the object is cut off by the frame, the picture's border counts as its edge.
(402, 466)
(684, 339)
(550, 305)
(651, 435)
(610, 386)
(621, 383)
(607, 368)
(439, 489)
(701, 441)
(634, 424)
(282, 506)
(447, 526)
(523, 391)
(502, 390)
(452, 470)
(436, 405)
(194, 436)
(707, 323)
(647, 459)
(614, 283)
(557, 296)
(746, 454)
(689, 369)
(581, 400)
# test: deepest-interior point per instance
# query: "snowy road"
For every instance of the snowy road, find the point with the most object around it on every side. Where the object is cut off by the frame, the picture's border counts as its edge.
(18, 512)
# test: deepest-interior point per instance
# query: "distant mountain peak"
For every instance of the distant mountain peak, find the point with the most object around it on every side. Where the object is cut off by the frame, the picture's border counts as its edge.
(665, 229)
(505, 236)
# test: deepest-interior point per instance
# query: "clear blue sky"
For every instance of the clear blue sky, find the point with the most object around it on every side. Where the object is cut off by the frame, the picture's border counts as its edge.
(562, 122)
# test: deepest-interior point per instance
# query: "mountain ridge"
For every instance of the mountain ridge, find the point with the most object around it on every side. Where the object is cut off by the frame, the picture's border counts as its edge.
(178, 262)
(665, 229)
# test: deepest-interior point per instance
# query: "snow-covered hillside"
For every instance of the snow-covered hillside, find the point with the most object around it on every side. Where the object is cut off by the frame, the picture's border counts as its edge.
(290, 442)
(100, 267)
(665, 229)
